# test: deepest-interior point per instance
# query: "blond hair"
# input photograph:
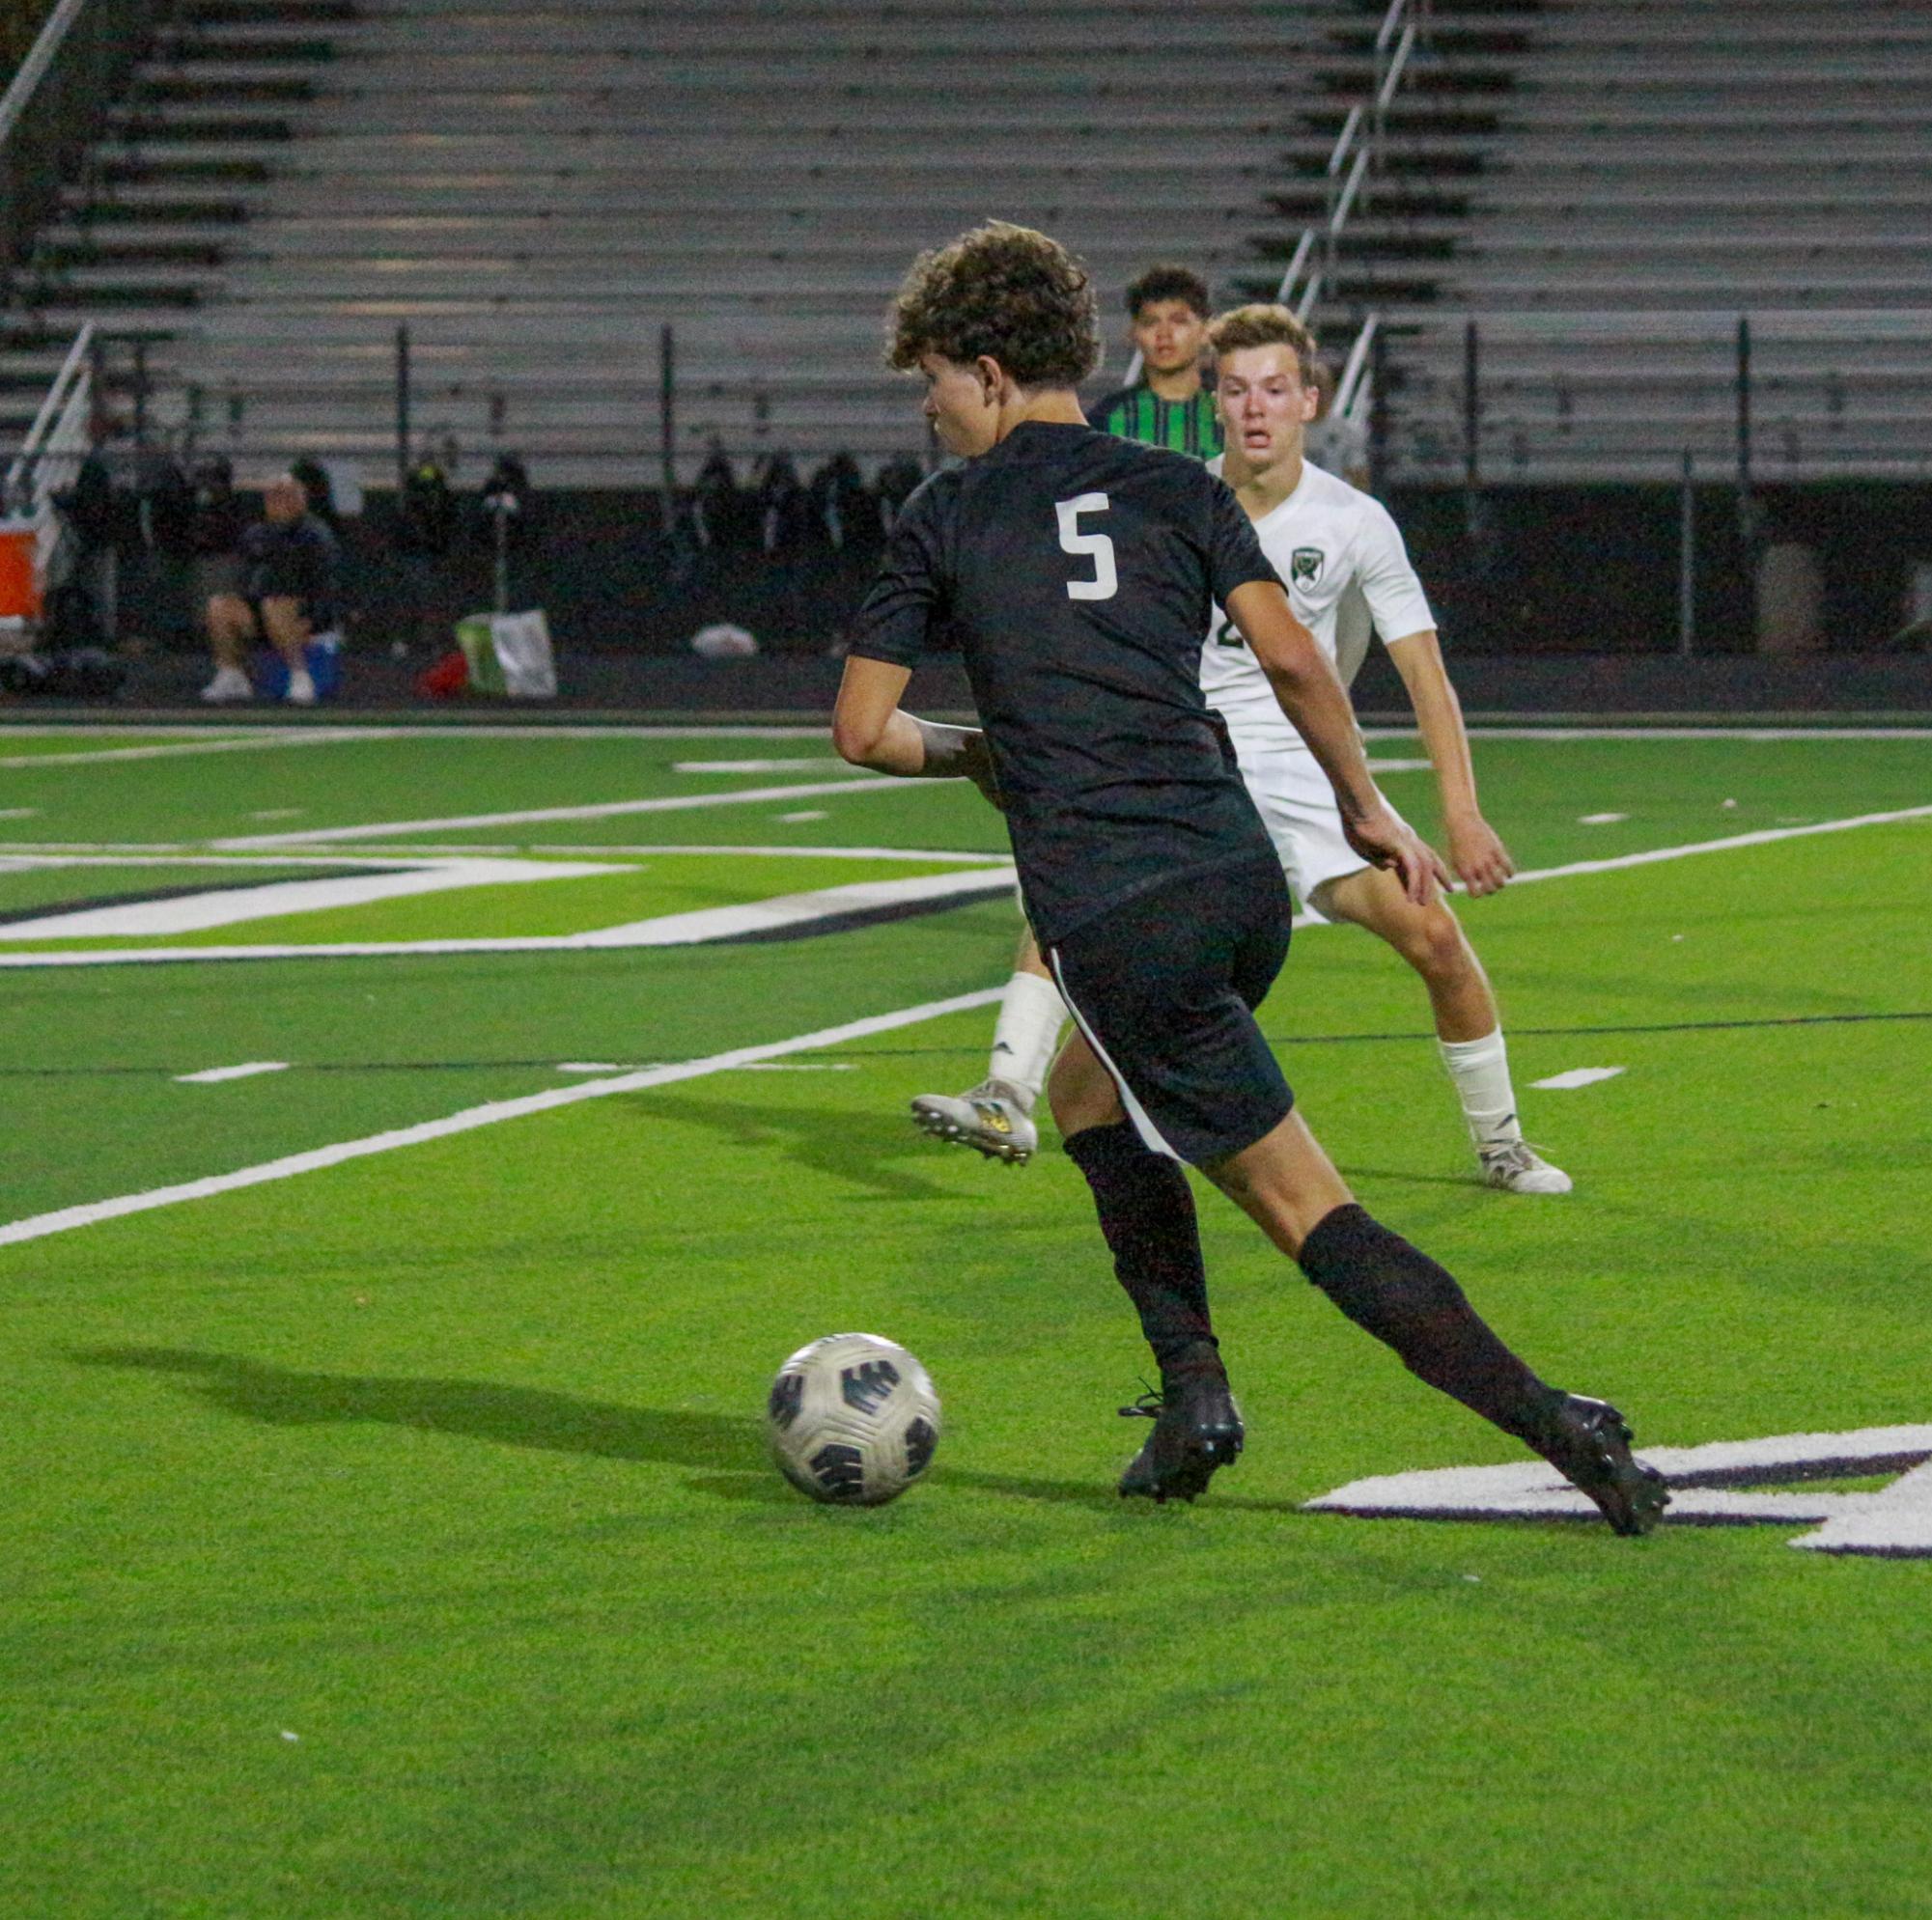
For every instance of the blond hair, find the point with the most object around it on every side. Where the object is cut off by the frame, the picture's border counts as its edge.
(1264, 325)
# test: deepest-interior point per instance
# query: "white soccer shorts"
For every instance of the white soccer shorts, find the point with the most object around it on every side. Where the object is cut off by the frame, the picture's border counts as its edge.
(1298, 807)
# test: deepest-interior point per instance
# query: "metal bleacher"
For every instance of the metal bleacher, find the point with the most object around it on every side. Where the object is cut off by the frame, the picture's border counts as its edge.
(1642, 175)
(534, 189)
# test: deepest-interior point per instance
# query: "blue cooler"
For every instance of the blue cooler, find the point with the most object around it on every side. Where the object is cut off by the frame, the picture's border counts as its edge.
(324, 654)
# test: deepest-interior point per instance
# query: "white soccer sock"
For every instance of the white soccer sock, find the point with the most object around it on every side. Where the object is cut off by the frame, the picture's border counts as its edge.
(1480, 1070)
(1027, 1035)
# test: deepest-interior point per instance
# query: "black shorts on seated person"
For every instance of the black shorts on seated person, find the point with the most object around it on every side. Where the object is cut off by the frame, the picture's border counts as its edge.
(1165, 985)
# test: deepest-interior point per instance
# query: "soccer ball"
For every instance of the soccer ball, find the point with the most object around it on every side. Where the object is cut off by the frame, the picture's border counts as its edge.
(853, 1420)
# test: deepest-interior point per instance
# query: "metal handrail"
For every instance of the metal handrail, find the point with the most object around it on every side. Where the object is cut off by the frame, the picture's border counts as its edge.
(51, 456)
(52, 106)
(80, 358)
(1354, 158)
(1352, 388)
(33, 70)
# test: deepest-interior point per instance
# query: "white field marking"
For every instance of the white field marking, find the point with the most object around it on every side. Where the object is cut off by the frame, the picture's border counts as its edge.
(810, 813)
(40, 1225)
(279, 813)
(820, 731)
(670, 930)
(1667, 732)
(797, 1067)
(275, 900)
(1400, 766)
(1600, 820)
(911, 853)
(1764, 837)
(1707, 1489)
(243, 743)
(182, 852)
(753, 766)
(19, 813)
(602, 810)
(427, 730)
(750, 1067)
(147, 854)
(210, 1076)
(1577, 1076)
(542, 943)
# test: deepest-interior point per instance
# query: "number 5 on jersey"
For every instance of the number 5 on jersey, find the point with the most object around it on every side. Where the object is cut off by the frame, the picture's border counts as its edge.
(1094, 546)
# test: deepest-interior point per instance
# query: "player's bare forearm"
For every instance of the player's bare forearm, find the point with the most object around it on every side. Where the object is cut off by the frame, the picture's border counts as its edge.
(870, 729)
(1478, 854)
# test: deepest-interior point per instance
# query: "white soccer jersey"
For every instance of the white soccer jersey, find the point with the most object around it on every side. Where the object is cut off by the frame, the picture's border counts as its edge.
(1342, 559)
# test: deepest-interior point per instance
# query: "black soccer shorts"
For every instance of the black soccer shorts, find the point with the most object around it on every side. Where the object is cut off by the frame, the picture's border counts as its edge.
(1164, 987)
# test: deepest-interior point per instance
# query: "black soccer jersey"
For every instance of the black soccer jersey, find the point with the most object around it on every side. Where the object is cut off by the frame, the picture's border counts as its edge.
(1076, 572)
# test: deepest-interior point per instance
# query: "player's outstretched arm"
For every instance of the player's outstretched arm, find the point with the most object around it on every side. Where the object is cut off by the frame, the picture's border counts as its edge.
(1316, 702)
(1480, 859)
(870, 729)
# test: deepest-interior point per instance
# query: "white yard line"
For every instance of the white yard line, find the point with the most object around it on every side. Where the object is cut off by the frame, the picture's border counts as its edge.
(428, 731)
(824, 762)
(244, 743)
(1577, 1076)
(64, 1220)
(1668, 733)
(1765, 837)
(669, 803)
(669, 929)
(213, 1076)
(195, 853)
(277, 900)
(554, 730)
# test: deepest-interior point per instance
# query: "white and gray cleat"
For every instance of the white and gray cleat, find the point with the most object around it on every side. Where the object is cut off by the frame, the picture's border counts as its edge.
(1517, 1167)
(992, 1119)
(229, 684)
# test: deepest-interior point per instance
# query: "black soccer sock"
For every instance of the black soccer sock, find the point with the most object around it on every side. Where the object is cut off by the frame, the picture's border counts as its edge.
(1400, 1294)
(1147, 1213)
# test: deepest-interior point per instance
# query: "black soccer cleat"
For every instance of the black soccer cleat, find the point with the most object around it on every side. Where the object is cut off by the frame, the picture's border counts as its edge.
(1196, 1429)
(1589, 1446)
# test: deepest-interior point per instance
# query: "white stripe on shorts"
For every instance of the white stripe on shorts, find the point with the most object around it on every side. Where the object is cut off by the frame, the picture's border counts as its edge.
(1150, 1135)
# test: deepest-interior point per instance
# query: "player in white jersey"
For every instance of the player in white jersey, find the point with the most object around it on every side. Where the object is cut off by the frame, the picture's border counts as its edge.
(1343, 561)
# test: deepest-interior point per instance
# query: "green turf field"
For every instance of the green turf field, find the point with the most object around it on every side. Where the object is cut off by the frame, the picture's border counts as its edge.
(396, 1538)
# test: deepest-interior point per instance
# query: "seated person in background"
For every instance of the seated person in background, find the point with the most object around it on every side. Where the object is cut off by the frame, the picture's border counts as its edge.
(290, 567)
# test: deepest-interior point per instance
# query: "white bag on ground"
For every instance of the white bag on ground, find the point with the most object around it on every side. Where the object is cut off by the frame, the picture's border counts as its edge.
(509, 654)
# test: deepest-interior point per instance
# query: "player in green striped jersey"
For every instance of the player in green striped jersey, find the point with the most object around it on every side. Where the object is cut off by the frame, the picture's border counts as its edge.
(1170, 406)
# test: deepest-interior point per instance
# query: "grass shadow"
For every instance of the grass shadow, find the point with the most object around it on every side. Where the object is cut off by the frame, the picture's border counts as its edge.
(510, 1416)
(726, 1449)
(858, 1147)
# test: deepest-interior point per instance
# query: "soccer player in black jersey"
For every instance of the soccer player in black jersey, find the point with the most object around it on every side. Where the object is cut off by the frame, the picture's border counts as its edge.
(1075, 569)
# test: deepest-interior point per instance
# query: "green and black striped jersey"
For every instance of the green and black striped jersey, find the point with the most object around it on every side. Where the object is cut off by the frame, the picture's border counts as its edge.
(1139, 414)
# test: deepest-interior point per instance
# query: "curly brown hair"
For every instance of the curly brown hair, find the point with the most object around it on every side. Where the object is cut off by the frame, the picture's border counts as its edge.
(1005, 292)
(1264, 325)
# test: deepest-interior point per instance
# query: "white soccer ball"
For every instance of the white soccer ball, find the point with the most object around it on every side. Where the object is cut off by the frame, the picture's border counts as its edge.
(853, 1420)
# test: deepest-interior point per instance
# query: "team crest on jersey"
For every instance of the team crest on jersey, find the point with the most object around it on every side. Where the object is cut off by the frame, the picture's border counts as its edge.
(1306, 563)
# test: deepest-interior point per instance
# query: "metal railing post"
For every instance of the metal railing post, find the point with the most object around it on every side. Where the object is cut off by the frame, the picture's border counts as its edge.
(1471, 405)
(403, 399)
(667, 418)
(1687, 559)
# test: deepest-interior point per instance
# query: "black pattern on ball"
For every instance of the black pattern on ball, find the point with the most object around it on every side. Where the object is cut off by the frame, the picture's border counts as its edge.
(920, 1440)
(788, 1395)
(840, 1471)
(867, 1387)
